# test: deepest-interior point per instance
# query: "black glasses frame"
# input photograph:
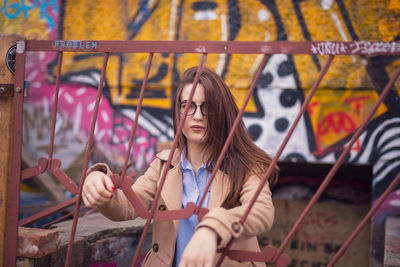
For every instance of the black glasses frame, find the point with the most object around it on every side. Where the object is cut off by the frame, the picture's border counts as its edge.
(202, 109)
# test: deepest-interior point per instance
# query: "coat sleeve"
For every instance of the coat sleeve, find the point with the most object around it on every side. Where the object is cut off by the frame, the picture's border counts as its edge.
(225, 222)
(145, 187)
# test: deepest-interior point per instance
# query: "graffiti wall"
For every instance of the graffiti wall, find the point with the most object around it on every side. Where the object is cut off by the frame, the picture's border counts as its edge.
(346, 94)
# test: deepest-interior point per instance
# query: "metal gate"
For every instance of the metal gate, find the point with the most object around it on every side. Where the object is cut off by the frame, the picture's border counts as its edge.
(270, 253)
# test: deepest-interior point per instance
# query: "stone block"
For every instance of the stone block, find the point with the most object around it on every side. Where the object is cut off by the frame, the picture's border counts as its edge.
(36, 243)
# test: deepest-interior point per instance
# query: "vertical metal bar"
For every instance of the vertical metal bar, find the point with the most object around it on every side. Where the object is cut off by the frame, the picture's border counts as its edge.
(166, 169)
(86, 160)
(15, 162)
(336, 166)
(55, 107)
(232, 131)
(364, 221)
(138, 109)
(282, 147)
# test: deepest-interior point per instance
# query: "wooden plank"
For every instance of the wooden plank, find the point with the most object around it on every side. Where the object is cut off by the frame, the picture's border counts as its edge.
(43, 180)
(392, 242)
(321, 234)
(6, 105)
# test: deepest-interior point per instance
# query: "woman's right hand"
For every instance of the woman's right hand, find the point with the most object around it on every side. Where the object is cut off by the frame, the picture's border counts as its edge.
(97, 190)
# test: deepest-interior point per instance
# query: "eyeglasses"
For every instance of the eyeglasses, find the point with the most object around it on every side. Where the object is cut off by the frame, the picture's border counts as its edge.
(192, 108)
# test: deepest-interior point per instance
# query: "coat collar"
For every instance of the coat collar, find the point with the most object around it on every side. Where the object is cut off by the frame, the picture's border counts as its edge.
(163, 155)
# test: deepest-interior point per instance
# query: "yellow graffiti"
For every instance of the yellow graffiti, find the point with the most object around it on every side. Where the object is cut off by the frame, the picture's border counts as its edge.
(324, 21)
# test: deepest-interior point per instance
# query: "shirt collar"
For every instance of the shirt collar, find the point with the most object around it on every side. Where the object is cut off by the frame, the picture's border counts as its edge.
(184, 162)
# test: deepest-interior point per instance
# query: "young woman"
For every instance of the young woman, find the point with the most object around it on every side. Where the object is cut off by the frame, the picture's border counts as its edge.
(189, 242)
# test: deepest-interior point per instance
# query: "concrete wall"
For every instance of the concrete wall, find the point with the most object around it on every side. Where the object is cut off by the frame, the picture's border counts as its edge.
(346, 94)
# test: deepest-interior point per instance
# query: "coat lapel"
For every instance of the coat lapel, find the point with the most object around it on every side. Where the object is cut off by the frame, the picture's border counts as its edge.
(171, 192)
(219, 190)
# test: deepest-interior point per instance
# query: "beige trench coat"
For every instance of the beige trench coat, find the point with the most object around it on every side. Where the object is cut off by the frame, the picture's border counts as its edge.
(224, 222)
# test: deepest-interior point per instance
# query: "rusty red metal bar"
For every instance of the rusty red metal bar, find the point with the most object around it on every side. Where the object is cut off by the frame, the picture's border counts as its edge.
(168, 163)
(16, 146)
(365, 220)
(86, 160)
(366, 48)
(135, 123)
(55, 107)
(339, 162)
(234, 127)
(119, 180)
(44, 226)
(47, 212)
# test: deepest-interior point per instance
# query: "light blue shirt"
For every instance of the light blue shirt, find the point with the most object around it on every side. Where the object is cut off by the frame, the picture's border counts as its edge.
(192, 191)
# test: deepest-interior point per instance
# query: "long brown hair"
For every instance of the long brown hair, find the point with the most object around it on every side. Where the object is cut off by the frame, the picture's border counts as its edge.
(243, 157)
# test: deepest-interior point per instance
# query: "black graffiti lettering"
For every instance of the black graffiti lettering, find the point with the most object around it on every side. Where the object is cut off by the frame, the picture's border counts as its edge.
(331, 248)
(294, 244)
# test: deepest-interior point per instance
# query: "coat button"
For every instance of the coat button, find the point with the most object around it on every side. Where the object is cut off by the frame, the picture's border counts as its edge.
(155, 247)
(236, 227)
(162, 207)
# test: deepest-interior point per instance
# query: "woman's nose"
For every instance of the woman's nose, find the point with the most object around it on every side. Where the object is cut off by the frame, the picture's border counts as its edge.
(198, 115)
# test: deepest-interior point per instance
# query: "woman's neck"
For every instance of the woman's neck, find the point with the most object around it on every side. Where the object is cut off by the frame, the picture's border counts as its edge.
(196, 155)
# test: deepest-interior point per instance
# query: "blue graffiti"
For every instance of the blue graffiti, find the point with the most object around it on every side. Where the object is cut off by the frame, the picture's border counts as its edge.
(15, 9)
(75, 44)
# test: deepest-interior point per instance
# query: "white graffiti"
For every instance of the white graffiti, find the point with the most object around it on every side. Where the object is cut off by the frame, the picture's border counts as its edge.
(329, 48)
(374, 47)
(355, 48)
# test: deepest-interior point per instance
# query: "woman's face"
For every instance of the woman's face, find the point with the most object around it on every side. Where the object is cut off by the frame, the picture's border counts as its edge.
(195, 126)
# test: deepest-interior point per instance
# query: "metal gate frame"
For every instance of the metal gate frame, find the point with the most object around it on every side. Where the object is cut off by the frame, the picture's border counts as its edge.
(269, 254)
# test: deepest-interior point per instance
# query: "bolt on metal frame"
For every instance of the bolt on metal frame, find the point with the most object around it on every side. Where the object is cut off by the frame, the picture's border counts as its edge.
(269, 254)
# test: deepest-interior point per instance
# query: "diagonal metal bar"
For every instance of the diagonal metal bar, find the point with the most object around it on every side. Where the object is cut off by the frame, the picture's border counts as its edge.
(119, 180)
(365, 220)
(47, 212)
(55, 107)
(15, 162)
(44, 226)
(339, 162)
(138, 109)
(282, 147)
(166, 169)
(61, 176)
(86, 160)
(234, 127)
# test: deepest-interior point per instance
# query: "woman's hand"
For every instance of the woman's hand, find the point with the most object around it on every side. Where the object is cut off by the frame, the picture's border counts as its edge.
(97, 190)
(201, 249)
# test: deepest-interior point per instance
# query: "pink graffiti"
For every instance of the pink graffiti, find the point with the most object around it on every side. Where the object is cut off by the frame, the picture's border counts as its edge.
(77, 102)
(390, 207)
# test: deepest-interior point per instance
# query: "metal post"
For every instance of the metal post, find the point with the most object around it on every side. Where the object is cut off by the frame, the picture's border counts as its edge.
(6, 107)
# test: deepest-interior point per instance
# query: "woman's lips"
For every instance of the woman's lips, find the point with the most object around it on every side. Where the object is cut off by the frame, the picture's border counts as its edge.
(197, 127)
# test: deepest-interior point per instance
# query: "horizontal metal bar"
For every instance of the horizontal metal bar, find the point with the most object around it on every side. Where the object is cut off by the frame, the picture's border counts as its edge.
(228, 47)
(40, 168)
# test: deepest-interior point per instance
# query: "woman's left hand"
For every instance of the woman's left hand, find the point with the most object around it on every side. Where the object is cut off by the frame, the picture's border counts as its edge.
(201, 249)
